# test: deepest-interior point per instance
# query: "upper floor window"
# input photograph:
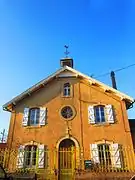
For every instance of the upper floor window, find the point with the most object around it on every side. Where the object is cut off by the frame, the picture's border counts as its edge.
(68, 112)
(67, 89)
(34, 115)
(99, 114)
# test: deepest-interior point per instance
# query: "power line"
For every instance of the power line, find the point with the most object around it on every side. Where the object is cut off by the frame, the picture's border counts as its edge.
(124, 68)
(117, 70)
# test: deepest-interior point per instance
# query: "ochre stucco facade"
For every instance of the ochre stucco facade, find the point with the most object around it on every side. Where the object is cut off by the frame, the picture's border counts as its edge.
(80, 131)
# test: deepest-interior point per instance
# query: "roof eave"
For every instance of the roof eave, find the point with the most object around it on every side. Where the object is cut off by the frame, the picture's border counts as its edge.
(42, 83)
(32, 89)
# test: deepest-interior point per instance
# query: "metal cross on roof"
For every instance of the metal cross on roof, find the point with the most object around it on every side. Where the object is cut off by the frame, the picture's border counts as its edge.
(66, 52)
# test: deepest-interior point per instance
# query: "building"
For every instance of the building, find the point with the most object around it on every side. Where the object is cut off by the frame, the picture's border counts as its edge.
(69, 112)
(132, 129)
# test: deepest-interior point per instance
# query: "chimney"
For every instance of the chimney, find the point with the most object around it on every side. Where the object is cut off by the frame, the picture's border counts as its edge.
(113, 80)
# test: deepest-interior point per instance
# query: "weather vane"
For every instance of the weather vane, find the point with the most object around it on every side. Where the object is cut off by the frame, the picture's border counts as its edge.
(66, 52)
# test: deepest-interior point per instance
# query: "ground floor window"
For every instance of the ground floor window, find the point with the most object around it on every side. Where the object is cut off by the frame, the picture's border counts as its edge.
(30, 155)
(104, 154)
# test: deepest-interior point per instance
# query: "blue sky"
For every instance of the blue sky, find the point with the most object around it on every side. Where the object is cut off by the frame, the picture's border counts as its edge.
(33, 33)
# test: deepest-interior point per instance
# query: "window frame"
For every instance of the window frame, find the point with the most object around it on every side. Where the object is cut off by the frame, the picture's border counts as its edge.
(70, 95)
(73, 112)
(67, 89)
(104, 149)
(36, 118)
(102, 117)
(29, 156)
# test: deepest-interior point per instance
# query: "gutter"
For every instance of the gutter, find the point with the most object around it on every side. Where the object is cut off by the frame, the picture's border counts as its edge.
(6, 109)
(131, 105)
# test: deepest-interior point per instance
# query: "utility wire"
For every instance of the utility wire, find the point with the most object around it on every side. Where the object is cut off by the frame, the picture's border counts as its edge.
(124, 68)
(105, 74)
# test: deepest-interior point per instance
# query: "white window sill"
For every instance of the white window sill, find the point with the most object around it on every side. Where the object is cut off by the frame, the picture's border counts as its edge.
(32, 127)
(102, 124)
(66, 96)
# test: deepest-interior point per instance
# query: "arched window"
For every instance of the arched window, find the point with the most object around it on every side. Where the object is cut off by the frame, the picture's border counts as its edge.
(34, 114)
(104, 154)
(99, 114)
(67, 89)
(30, 155)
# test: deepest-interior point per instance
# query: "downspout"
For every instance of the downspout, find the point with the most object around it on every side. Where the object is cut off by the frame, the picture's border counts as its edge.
(123, 117)
(13, 130)
(12, 135)
(131, 105)
(82, 144)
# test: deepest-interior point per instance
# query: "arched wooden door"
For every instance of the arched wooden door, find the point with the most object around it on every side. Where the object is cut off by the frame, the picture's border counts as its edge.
(66, 159)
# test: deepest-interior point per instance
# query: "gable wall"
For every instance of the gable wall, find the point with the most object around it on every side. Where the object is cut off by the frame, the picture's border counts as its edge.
(83, 95)
(50, 97)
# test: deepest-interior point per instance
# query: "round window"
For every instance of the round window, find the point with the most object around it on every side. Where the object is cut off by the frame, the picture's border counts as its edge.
(67, 112)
